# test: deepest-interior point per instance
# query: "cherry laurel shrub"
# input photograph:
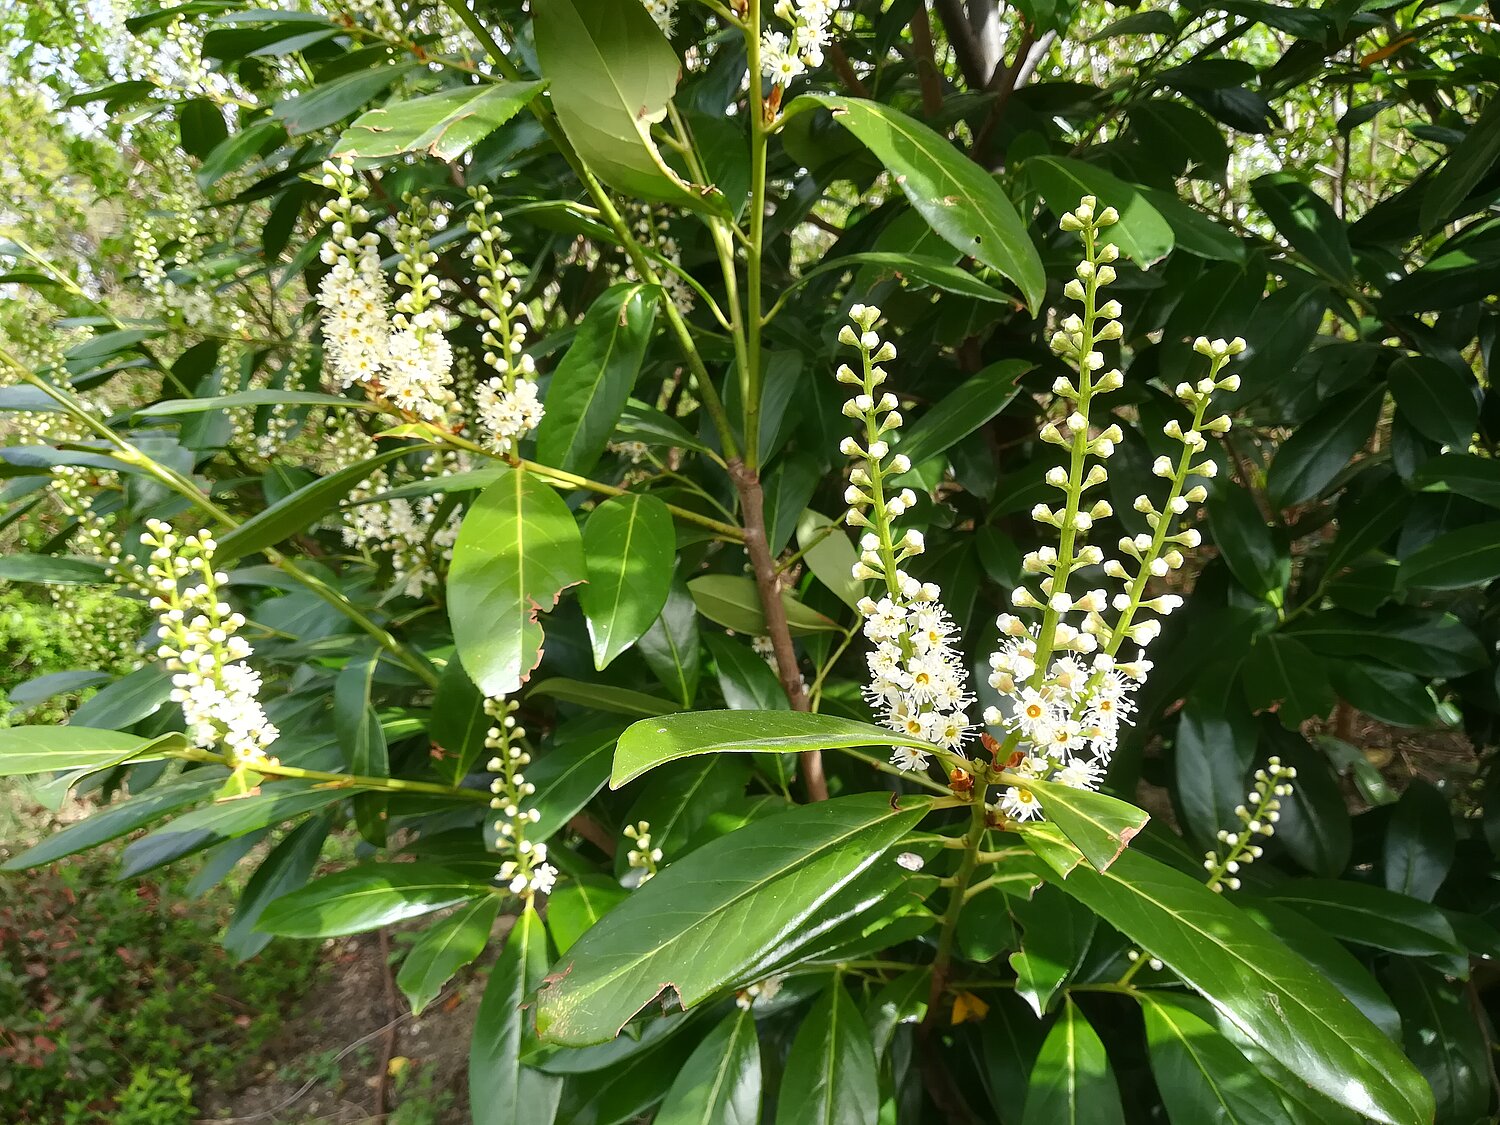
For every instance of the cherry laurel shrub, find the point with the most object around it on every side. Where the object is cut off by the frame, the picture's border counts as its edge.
(725, 528)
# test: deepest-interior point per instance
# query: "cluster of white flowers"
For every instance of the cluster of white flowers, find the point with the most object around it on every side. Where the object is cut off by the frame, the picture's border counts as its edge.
(918, 683)
(507, 404)
(525, 869)
(1257, 817)
(402, 357)
(643, 857)
(354, 296)
(664, 12)
(189, 305)
(199, 642)
(1064, 688)
(785, 56)
(419, 363)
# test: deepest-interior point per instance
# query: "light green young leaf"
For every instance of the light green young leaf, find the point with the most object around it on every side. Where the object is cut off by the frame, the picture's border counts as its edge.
(830, 1075)
(444, 125)
(629, 549)
(1071, 1080)
(720, 1082)
(1142, 234)
(502, 1090)
(960, 200)
(444, 949)
(367, 897)
(517, 551)
(593, 381)
(611, 74)
(652, 742)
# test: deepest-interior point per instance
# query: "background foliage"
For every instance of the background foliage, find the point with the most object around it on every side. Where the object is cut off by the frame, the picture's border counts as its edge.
(1319, 180)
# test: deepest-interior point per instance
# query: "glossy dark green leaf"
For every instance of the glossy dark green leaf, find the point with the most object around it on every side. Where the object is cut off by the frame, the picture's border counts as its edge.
(224, 820)
(603, 697)
(830, 1076)
(1465, 167)
(126, 701)
(446, 947)
(1252, 979)
(1098, 825)
(611, 75)
(901, 1001)
(367, 897)
(444, 125)
(1309, 460)
(518, 549)
(672, 647)
(968, 408)
(1212, 754)
(53, 569)
(569, 771)
(119, 819)
(1315, 829)
(653, 742)
(1201, 1076)
(177, 406)
(1368, 915)
(39, 689)
(1391, 696)
(1256, 554)
(960, 201)
(459, 724)
(1055, 936)
(594, 379)
(1438, 400)
(1463, 474)
(732, 600)
(1282, 674)
(502, 1090)
(1419, 842)
(916, 267)
(706, 919)
(1469, 556)
(1071, 1081)
(45, 749)
(720, 1082)
(301, 509)
(746, 679)
(1308, 222)
(678, 799)
(1425, 642)
(1196, 233)
(1443, 1038)
(629, 549)
(1329, 956)
(1142, 234)
(288, 867)
(362, 741)
(333, 101)
(578, 905)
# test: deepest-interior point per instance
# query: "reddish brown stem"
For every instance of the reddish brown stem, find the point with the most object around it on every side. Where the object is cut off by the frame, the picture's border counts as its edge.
(753, 515)
(927, 70)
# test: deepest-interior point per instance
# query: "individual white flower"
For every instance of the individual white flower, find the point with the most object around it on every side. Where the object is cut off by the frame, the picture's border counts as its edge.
(1019, 803)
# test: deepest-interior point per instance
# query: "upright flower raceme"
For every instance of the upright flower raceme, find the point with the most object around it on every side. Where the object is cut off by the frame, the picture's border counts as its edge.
(918, 683)
(401, 356)
(508, 405)
(788, 55)
(1064, 686)
(419, 363)
(200, 643)
(353, 294)
(525, 870)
